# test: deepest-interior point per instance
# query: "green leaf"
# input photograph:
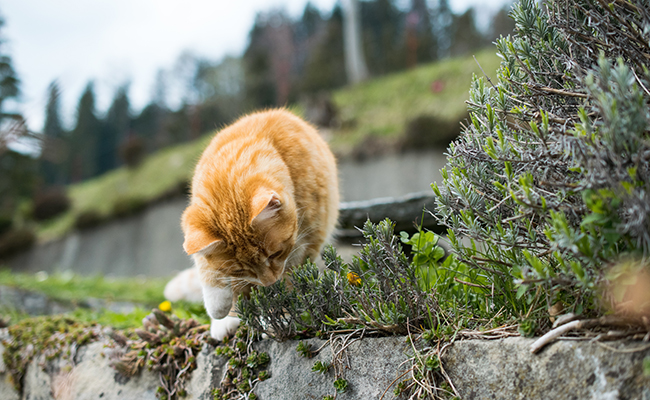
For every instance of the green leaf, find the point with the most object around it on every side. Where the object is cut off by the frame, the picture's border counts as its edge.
(438, 253)
(521, 290)
(508, 167)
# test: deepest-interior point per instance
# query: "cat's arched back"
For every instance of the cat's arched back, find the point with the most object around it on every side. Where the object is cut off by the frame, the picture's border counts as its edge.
(264, 197)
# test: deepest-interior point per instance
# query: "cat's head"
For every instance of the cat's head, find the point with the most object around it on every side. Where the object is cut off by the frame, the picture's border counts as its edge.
(247, 241)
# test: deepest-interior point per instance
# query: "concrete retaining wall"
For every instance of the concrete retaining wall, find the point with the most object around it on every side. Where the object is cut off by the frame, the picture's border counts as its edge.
(150, 243)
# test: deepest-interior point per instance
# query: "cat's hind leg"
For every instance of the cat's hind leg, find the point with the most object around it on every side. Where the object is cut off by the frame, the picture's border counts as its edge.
(185, 286)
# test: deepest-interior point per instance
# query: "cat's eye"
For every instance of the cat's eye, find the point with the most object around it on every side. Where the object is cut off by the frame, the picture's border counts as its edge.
(275, 255)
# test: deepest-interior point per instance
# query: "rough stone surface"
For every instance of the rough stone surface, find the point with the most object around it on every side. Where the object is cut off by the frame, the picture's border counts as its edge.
(6, 389)
(32, 303)
(91, 378)
(505, 369)
(150, 243)
(401, 210)
(499, 369)
(373, 365)
(208, 374)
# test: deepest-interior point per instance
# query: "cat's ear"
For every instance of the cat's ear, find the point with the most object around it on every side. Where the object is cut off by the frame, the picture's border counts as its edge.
(198, 238)
(198, 242)
(265, 205)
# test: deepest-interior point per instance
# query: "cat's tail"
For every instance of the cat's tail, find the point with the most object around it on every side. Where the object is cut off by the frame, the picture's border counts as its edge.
(185, 286)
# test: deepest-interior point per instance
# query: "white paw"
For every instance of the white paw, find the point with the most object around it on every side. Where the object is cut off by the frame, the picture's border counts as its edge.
(220, 328)
(218, 301)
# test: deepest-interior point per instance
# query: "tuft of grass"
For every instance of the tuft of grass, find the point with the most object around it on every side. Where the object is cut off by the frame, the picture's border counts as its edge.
(72, 287)
(109, 318)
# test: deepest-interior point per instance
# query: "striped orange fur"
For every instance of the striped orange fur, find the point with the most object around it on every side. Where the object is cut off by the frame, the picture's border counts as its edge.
(264, 198)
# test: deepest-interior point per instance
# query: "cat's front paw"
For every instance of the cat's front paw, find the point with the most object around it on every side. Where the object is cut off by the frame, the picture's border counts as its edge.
(220, 328)
(218, 301)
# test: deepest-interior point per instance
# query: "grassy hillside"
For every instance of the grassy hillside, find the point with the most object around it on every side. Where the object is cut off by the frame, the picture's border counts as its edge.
(381, 107)
(158, 174)
(384, 106)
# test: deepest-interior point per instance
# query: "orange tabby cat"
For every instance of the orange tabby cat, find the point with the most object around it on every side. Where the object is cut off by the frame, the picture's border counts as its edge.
(264, 198)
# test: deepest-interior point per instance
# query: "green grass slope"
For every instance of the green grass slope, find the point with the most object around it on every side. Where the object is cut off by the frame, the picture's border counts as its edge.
(384, 106)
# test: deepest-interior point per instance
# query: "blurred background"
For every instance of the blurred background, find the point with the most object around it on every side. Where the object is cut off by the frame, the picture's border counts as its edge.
(106, 106)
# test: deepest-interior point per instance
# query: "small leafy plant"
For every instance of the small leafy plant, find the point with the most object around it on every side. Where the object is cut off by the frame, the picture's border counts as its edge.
(321, 367)
(341, 385)
(166, 345)
(304, 349)
(381, 291)
(246, 366)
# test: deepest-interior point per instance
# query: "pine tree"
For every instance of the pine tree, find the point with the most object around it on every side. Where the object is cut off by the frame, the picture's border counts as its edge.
(311, 20)
(442, 27)
(8, 90)
(8, 81)
(84, 137)
(465, 36)
(325, 67)
(149, 125)
(384, 43)
(17, 171)
(54, 148)
(501, 25)
(420, 42)
(114, 132)
(260, 90)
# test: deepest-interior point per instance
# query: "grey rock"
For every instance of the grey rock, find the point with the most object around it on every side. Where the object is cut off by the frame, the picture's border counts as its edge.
(403, 211)
(208, 374)
(7, 391)
(91, 377)
(31, 303)
(370, 367)
(505, 369)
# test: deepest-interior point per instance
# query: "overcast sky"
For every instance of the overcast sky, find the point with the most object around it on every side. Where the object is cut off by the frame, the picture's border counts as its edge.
(115, 41)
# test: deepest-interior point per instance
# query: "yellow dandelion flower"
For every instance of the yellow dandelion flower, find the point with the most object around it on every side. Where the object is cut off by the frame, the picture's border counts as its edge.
(165, 306)
(354, 279)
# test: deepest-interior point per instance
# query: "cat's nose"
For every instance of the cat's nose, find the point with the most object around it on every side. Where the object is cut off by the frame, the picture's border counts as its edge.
(268, 278)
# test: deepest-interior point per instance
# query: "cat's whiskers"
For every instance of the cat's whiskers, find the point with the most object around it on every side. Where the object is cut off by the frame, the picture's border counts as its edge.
(295, 249)
(239, 284)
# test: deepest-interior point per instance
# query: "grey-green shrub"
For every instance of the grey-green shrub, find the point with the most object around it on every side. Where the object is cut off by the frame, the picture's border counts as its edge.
(549, 183)
(380, 289)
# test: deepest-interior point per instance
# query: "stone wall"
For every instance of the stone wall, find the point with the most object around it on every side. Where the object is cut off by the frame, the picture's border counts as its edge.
(479, 369)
